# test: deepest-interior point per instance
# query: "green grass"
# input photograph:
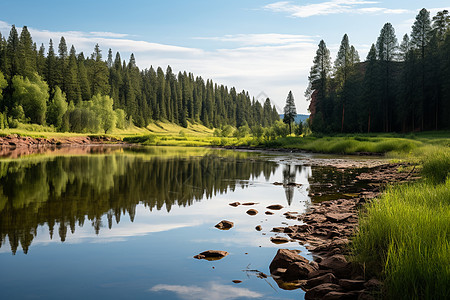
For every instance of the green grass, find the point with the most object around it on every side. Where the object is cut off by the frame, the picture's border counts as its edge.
(404, 236)
(346, 144)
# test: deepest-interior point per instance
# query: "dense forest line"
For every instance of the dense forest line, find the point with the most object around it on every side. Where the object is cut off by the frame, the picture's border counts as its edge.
(75, 93)
(398, 88)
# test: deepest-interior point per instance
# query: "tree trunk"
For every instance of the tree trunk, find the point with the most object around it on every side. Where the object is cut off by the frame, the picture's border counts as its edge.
(343, 115)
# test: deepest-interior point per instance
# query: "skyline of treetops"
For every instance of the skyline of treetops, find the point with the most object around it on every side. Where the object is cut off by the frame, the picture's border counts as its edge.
(88, 94)
(398, 88)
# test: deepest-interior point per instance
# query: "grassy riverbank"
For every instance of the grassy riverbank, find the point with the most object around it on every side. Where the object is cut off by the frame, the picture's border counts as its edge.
(404, 236)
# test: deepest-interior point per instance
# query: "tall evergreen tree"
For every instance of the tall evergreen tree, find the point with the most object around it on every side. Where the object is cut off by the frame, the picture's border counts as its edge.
(289, 111)
(420, 37)
(12, 57)
(51, 67)
(73, 90)
(318, 80)
(387, 52)
(25, 54)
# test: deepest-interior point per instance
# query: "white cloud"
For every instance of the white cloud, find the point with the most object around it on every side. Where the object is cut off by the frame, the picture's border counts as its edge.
(261, 39)
(213, 291)
(329, 7)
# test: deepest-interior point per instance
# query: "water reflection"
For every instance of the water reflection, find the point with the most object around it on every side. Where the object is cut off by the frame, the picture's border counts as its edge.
(63, 191)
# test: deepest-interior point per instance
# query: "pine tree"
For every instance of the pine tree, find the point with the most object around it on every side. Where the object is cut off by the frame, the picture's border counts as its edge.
(318, 80)
(25, 54)
(62, 65)
(40, 61)
(98, 73)
(73, 90)
(420, 37)
(289, 111)
(85, 89)
(12, 57)
(50, 68)
(387, 52)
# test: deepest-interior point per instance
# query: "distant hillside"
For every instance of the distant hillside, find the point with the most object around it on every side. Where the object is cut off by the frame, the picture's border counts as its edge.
(299, 118)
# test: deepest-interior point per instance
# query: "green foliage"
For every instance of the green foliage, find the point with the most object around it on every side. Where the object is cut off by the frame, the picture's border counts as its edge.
(242, 132)
(144, 95)
(32, 95)
(3, 84)
(436, 164)
(57, 108)
(103, 107)
(121, 121)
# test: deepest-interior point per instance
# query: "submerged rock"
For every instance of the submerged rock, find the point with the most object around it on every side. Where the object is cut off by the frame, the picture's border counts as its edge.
(237, 281)
(211, 255)
(224, 225)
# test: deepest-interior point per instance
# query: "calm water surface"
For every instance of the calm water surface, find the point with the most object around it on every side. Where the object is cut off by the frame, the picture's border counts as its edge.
(125, 223)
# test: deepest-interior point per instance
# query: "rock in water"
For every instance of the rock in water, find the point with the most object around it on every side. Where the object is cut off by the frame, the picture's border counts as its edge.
(211, 255)
(275, 207)
(235, 204)
(279, 240)
(224, 225)
(252, 212)
(284, 258)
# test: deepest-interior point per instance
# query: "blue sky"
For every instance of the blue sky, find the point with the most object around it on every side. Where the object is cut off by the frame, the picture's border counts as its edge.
(259, 46)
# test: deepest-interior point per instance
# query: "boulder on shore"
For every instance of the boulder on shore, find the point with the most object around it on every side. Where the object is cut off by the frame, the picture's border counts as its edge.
(284, 258)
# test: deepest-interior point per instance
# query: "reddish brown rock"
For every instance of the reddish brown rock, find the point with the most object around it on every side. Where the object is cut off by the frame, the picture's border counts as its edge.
(252, 212)
(338, 264)
(224, 225)
(338, 217)
(298, 271)
(249, 203)
(318, 292)
(211, 255)
(235, 204)
(269, 213)
(325, 278)
(341, 295)
(258, 228)
(275, 207)
(237, 281)
(284, 258)
(279, 240)
(351, 285)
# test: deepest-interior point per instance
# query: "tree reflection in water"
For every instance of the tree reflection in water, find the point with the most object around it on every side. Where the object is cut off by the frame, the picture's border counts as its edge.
(63, 191)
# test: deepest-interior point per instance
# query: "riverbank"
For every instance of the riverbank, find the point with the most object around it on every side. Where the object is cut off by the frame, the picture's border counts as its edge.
(327, 230)
(391, 241)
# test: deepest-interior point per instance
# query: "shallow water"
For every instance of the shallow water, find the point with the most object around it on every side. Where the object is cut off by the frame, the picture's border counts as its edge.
(113, 222)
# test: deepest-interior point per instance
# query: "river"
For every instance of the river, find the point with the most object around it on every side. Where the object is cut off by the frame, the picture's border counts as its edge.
(110, 222)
